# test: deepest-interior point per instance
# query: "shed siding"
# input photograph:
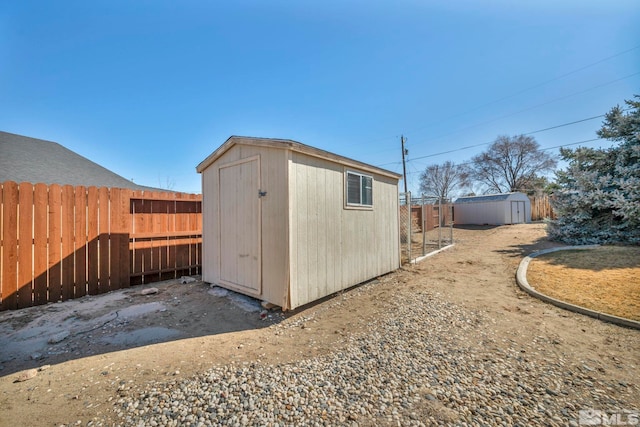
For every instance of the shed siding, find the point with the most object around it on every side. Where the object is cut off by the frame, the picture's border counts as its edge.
(273, 167)
(333, 248)
(493, 213)
(487, 211)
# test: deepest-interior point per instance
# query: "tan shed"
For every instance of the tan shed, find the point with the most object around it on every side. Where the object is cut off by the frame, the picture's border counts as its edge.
(289, 224)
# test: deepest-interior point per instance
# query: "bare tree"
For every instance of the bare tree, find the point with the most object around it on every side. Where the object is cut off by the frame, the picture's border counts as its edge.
(168, 183)
(440, 181)
(511, 164)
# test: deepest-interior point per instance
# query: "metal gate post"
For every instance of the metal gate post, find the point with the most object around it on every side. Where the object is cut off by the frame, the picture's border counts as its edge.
(451, 224)
(439, 222)
(422, 224)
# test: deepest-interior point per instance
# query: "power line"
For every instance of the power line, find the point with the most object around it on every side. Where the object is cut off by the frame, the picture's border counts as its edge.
(470, 162)
(566, 124)
(521, 111)
(539, 105)
(573, 143)
(535, 86)
(487, 143)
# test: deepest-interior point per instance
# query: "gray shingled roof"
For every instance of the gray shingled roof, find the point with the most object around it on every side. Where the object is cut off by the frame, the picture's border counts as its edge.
(24, 159)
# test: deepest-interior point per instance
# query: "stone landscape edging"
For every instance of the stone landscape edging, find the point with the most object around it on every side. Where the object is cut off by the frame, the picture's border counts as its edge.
(521, 279)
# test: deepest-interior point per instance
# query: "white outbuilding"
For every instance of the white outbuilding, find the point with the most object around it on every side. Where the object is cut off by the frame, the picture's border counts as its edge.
(289, 224)
(492, 209)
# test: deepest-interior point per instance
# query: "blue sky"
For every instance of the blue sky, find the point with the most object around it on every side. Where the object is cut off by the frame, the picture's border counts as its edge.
(148, 89)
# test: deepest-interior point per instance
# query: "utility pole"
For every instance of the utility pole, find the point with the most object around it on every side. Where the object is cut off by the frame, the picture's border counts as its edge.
(404, 166)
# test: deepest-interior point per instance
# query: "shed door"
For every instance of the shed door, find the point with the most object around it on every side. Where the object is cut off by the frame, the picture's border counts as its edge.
(239, 207)
(517, 212)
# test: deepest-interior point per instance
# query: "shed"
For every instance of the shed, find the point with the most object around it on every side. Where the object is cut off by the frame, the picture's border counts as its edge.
(494, 209)
(289, 224)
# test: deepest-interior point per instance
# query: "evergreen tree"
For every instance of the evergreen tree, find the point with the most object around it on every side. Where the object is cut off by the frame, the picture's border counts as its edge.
(599, 196)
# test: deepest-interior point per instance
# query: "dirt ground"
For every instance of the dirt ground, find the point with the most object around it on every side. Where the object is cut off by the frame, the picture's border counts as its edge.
(605, 279)
(90, 349)
(431, 241)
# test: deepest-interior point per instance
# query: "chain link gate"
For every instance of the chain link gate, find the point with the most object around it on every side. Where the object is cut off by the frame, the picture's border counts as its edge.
(426, 225)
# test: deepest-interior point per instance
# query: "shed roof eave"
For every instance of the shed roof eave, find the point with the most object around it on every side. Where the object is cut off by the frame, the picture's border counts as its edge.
(486, 198)
(294, 146)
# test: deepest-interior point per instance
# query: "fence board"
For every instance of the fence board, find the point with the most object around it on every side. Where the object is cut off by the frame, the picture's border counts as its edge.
(2, 307)
(136, 254)
(40, 244)
(103, 239)
(1, 240)
(154, 220)
(67, 228)
(119, 238)
(25, 245)
(114, 238)
(93, 253)
(10, 245)
(166, 207)
(80, 243)
(147, 244)
(125, 228)
(55, 240)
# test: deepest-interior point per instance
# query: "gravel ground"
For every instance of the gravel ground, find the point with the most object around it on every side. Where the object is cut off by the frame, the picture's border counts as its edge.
(449, 341)
(426, 362)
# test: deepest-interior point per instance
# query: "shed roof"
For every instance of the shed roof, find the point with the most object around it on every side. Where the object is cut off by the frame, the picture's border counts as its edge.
(288, 144)
(25, 159)
(486, 198)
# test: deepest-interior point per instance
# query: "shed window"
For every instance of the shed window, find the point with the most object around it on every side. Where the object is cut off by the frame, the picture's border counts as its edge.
(359, 189)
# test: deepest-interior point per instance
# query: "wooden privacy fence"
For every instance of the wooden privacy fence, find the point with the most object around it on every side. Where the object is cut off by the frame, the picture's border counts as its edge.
(541, 208)
(430, 219)
(64, 242)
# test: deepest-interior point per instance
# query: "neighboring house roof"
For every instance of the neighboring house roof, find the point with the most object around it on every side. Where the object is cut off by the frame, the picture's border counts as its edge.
(294, 146)
(487, 198)
(24, 159)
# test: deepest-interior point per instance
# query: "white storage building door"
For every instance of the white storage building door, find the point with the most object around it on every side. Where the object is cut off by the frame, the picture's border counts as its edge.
(518, 211)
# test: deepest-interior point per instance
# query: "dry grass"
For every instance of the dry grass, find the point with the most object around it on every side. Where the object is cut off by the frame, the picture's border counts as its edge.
(605, 279)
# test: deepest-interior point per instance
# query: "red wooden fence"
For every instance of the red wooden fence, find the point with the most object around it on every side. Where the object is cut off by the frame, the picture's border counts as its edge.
(64, 242)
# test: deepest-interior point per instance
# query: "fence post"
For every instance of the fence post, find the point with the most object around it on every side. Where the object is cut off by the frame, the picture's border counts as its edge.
(422, 225)
(439, 222)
